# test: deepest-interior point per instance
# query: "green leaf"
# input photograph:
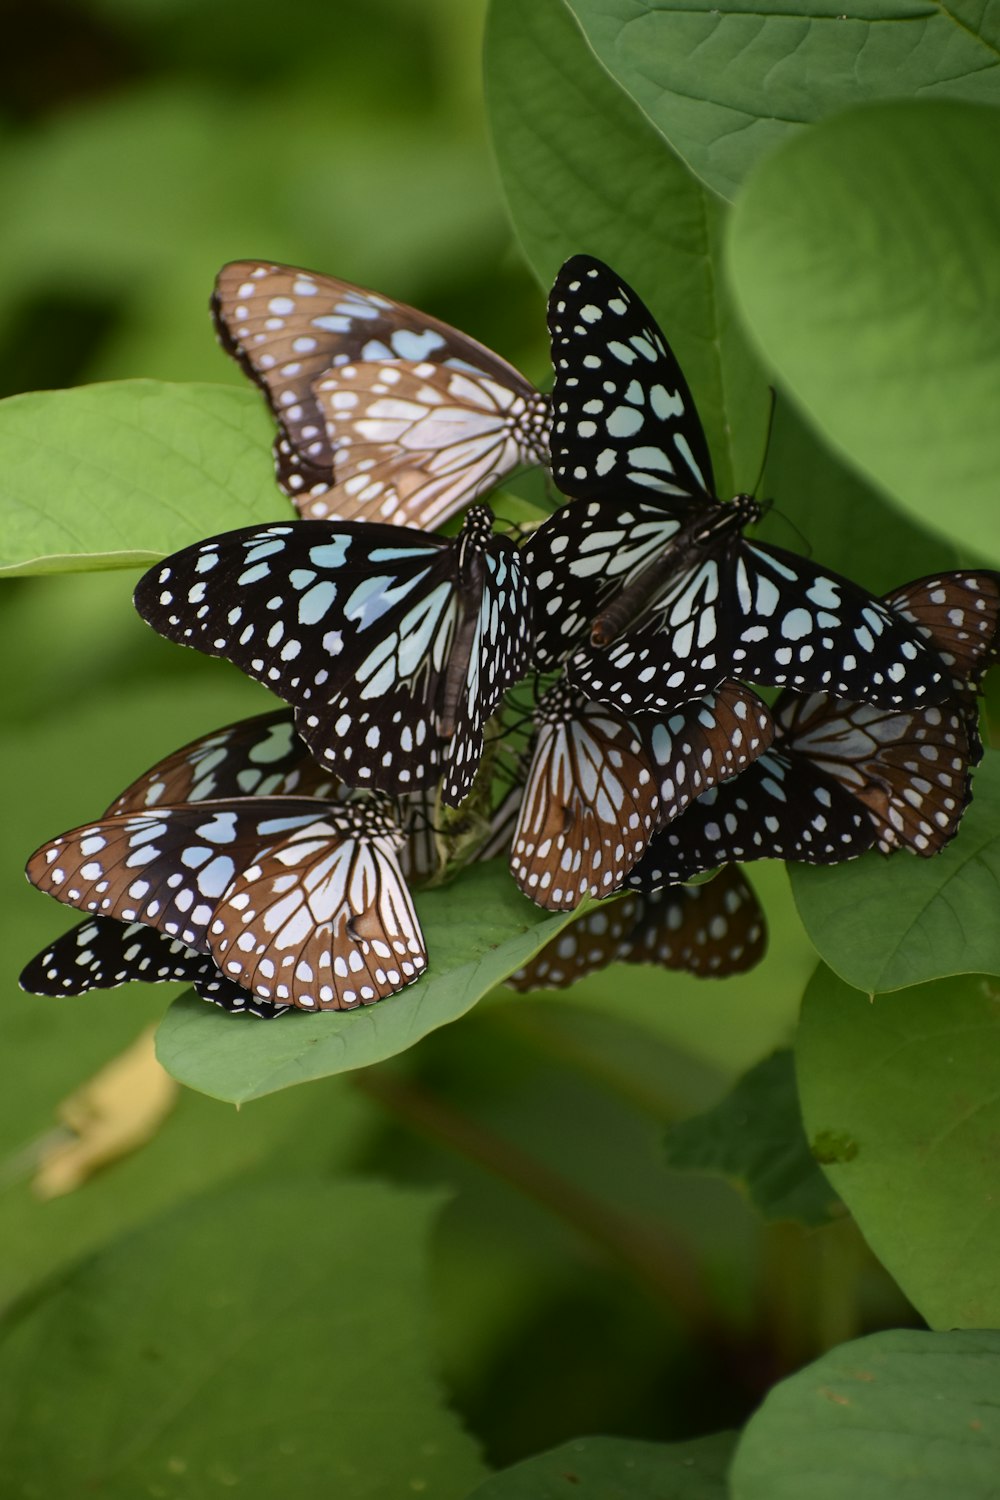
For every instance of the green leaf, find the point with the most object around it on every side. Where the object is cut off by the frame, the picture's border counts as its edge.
(883, 923)
(901, 1414)
(478, 930)
(755, 1137)
(611, 1468)
(726, 86)
(899, 1097)
(585, 171)
(118, 475)
(864, 257)
(274, 1339)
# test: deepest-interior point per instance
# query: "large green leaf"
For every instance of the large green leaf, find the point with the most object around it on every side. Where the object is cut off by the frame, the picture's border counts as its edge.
(478, 930)
(901, 1414)
(754, 1136)
(900, 1102)
(113, 476)
(884, 923)
(273, 1339)
(864, 257)
(725, 86)
(611, 1468)
(585, 171)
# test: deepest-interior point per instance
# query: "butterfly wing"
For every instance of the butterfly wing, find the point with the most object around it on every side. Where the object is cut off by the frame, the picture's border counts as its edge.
(259, 757)
(622, 413)
(323, 919)
(415, 442)
(166, 868)
(776, 809)
(959, 614)
(590, 803)
(759, 613)
(704, 742)
(584, 947)
(102, 953)
(293, 330)
(711, 930)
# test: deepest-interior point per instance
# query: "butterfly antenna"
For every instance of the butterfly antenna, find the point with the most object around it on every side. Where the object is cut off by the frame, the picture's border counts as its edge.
(768, 505)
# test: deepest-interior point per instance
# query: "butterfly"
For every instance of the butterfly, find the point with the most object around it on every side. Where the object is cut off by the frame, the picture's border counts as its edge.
(599, 784)
(645, 584)
(299, 901)
(102, 953)
(842, 777)
(384, 413)
(710, 930)
(394, 647)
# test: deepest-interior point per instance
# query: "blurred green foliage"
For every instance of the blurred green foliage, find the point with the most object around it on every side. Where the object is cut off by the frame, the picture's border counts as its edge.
(575, 1281)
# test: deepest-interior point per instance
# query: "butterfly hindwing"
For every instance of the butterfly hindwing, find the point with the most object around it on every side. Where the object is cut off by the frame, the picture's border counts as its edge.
(322, 919)
(349, 444)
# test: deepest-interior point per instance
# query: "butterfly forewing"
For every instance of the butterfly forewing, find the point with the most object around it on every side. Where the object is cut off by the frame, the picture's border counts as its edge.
(621, 409)
(166, 868)
(776, 809)
(102, 953)
(259, 757)
(295, 331)
(322, 920)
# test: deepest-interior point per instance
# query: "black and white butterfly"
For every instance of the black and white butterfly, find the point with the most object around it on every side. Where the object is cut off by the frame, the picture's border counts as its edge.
(394, 647)
(102, 953)
(599, 784)
(646, 582)
(710, 930)
(384, 413)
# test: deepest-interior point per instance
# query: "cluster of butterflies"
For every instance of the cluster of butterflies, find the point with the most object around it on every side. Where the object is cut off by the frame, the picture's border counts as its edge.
(269, 863)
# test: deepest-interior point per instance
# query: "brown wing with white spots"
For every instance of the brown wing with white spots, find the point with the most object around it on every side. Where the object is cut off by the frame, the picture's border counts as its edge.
(322, 920)
(705, 742)
(584, 947)
(959, 614)
(289, 328)
(710, 930)
(168, 868)
(590, 803)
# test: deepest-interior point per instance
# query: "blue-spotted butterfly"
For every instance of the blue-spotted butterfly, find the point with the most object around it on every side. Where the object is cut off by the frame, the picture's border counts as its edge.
(384, 413)
(645, 582)
(842, 777)
(710, 930)
(394, 647)
(599, 784)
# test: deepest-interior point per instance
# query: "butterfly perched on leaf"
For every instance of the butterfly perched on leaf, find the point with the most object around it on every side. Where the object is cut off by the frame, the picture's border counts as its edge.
(394, 647)
(384, 413)
(711, 930)
(299, 899)
(599, 784)
(645, 584)
(844, 777)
